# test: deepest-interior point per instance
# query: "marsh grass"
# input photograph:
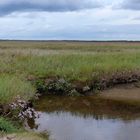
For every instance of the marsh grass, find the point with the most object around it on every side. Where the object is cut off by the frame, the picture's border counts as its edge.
(9, 131)
(6, 126)
(72, 67)
(71, 45)
(106, 59)
(11, 86)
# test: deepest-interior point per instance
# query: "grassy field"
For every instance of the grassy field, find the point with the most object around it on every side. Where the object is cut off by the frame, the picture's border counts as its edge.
(74, 61)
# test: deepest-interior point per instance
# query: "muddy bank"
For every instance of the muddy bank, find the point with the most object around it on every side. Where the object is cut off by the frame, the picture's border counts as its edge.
(117, 95)
(61, 86)
(127, 93)
(23, 136)
(123, 81)
(18, 110)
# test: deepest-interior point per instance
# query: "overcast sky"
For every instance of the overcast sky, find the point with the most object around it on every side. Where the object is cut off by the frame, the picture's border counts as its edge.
(70, 19)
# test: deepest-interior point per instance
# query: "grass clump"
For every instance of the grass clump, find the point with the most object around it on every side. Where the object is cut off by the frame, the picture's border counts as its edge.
(6, 126)
(12, 86)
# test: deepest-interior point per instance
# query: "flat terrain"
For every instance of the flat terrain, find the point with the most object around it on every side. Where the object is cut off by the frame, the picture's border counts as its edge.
(23, 61)
(74, 61)
(127, 93)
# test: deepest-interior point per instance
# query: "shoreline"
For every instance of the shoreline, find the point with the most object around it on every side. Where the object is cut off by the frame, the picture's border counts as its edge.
(61, 86)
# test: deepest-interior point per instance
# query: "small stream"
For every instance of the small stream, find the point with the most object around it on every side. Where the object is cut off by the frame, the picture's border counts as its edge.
(84, 118)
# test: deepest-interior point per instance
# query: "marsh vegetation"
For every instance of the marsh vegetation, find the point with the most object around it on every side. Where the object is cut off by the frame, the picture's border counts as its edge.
(68, 67)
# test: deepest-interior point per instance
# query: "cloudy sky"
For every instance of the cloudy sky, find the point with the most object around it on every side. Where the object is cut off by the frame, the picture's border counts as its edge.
(70, 19)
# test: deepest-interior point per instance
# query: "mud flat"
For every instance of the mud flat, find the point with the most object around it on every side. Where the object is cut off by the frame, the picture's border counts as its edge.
(128, 93)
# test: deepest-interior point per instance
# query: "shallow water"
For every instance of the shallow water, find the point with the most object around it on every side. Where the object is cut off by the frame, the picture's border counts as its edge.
(84, 119)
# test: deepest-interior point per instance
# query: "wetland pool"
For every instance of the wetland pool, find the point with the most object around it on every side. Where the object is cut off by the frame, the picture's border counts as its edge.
(85, 118)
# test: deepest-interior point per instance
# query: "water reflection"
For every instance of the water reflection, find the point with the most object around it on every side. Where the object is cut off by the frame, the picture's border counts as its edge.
(68, 123)
(66, 126)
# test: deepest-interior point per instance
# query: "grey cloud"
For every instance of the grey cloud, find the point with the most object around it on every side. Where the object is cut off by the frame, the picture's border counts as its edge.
(131, 4)
(9, 6)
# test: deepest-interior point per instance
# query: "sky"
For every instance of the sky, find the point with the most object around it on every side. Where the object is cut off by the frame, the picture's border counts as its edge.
(70, 19)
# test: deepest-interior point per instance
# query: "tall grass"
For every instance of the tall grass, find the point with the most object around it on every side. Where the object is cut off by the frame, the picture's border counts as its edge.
(12, 86)
(72, 67)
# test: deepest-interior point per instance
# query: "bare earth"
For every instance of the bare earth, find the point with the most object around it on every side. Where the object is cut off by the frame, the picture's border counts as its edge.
(126, 92)
(24, 136)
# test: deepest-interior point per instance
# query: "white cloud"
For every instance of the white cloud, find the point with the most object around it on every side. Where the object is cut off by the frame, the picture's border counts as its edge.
(104, 23)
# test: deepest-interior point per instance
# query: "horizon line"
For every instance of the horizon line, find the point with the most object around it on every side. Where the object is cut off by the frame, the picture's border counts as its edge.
(69, 40)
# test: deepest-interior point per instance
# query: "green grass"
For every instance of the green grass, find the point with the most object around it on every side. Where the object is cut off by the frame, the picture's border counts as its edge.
(8, 129)
(64, 45)
(11, 86)
(6, 126)
(103, 59)
(72, 67)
